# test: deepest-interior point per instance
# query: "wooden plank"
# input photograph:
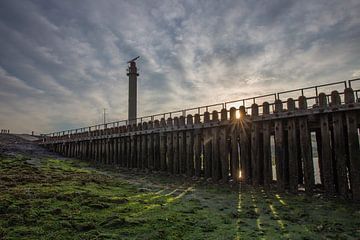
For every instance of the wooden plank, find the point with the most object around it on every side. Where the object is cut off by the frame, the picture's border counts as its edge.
(163, 145)
(197, 146)
(306, 149)
(176, 146)
(215, 160)
(255, 146)
(326, 151)
(156, 137)
(267, 172)
(150, 147)
(144, 148)
(280, 149)
(353, 144)
(131, 147)
(116, 152)
(234, 149)
(339, 146)
(292, 149)
(245, 158)
(223, 148)
(95, 151)
(109, 150)
(189, 146)
(207, 147)
(170, 147)
(319, 152)
(125, 147)
(139, 147)
(121, 159)
(182, 146)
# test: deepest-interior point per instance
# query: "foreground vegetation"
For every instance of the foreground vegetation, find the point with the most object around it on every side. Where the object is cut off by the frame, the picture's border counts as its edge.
(51, 198)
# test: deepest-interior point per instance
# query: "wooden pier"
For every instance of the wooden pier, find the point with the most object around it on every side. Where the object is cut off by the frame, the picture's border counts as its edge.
(226, 142)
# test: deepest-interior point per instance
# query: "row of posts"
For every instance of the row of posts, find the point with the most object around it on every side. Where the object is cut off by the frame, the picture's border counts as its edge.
(239, 149)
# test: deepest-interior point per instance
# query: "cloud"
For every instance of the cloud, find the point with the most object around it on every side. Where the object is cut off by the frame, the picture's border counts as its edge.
(62, 62)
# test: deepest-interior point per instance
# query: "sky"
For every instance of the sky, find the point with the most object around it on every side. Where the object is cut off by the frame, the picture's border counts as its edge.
(63, 62)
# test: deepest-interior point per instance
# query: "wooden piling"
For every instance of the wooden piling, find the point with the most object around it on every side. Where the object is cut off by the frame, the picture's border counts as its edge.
(292, 148)
(245, 157)
(197, 146)
(234, 155)
(156, 138)
(163, 145)
(144, 148)
(326, 151)
(353, 144)
(176, 146)
(339, 146)
(150, 147)
(255, 147)
(223, 147)
(139, 143)
(280, 149)
(306, 149)
(189, 146)
(182, 146)
(207, 146)
(215, 164)
(170, 146)
(267, 171)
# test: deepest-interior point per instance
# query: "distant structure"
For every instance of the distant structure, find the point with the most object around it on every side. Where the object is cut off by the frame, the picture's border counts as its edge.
(133, 74)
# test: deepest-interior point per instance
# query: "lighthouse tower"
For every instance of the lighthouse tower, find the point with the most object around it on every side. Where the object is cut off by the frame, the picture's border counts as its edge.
(133, 74)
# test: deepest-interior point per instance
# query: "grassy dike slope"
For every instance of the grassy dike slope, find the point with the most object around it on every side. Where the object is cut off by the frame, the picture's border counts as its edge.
(58, 198)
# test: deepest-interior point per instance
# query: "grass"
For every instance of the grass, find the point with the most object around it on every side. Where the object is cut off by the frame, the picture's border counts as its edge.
(67, 199)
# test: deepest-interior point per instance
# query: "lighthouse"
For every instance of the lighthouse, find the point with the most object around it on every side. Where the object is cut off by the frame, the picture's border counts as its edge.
(133, 74)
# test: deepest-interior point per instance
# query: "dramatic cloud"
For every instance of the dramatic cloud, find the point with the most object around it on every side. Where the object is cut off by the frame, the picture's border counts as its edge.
(62, 62)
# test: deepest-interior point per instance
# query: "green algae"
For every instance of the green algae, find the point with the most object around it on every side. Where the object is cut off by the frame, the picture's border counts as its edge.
(68, 199)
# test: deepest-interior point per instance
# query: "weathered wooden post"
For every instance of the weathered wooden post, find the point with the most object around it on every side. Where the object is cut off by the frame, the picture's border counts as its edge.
(326, 151)
(115, 154)
(267, 172)
(103, 148)
(339, 145)
(280, 150)
(234, 155)
(156, 139)
(125, 147)
(292, 148)
(223, 147)
(197, 145)
(182, 146)
(245, 158)
(121, 153)
(144, 148)
(189, 146)
(207, 146)
(353, 144)
(163, 145)
(176, 145)
(131, 146)
(150, 147)
(139, 151)
(170, 146)
(255, 146)
(215, 166)
(306, 149)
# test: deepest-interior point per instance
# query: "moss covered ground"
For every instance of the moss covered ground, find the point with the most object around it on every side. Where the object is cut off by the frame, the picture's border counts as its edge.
(59, 198)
